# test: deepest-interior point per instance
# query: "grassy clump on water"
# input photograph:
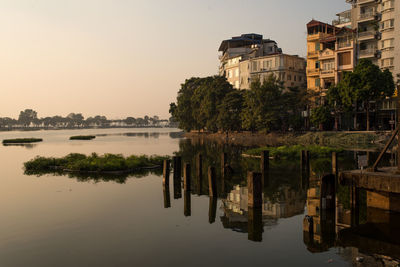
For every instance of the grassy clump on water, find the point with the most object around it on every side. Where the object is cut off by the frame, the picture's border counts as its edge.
(94, 163)
(82, 137)
(22, 140)
(292, 152)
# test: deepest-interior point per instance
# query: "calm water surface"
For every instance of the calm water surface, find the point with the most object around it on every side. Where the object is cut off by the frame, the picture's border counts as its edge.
(64, 221)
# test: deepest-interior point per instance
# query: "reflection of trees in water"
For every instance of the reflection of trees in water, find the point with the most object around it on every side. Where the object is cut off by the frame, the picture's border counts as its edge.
(27, 146)
(154, 135)
(101, 177)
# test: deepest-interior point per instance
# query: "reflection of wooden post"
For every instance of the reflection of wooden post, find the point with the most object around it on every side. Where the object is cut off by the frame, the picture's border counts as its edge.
(212, 182)
(224, 164)
(305, 161)
(166, 171)
(187, 209)
(354, 198)
(177, 178)
(167, 197)
(264, 166)
(255, 224)
(254, 188)
(334, 164)
(212, 209)
(186, 177)
(199, 172)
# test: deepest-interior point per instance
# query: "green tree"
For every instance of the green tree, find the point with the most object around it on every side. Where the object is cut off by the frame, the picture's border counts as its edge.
(263, 105)
(366, 84)
(320, 116)
(229, 111)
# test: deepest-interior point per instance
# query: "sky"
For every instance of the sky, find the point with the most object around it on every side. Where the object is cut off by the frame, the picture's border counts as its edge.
(122, 58)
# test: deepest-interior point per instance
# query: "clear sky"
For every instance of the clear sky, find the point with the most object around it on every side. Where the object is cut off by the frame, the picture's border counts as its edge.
(123, 58)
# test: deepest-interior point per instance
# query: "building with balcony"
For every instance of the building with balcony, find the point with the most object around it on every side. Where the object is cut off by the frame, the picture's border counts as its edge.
(330, 52)
(249, 57)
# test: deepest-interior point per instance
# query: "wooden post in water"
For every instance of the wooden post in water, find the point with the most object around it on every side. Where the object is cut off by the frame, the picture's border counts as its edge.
(305, 161)
(199, 172)
(167, 196)
(166, 171)
(177, 167)
(186, 177)
(224, 164)
(264, 166)
(212, 209)
(187, 209)
(177, 178)
(212, 182)
(354, 204)
(254, 224)
(254, 188)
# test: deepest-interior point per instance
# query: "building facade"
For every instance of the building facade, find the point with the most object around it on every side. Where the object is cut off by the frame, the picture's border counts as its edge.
(250, 57)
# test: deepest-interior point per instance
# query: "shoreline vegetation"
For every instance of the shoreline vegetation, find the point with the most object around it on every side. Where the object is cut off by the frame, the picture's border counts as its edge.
(291, 152)
(340, 140)
(82, 137)
(21, 141)
(93, 164)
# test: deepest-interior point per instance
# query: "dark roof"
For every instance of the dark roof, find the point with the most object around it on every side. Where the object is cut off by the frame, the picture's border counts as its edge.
(243, 40)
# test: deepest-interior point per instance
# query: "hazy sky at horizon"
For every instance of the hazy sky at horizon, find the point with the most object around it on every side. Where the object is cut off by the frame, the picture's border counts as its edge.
(123, 58)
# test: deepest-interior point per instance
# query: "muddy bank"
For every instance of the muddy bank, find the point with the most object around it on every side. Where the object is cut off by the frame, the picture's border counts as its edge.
(373, 140)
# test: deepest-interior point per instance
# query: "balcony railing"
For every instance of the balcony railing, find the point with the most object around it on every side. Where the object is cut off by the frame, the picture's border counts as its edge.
(368, 15)
(327, 72)
(313, 54)
(370, 33)
(367, 52)
(344, 44)
(313, 71)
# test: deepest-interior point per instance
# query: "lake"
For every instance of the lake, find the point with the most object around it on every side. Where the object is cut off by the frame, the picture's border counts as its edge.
(62, 220)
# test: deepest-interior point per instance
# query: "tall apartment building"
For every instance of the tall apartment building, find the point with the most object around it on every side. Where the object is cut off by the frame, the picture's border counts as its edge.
(330, 51)
(249, 56)
(378, 32)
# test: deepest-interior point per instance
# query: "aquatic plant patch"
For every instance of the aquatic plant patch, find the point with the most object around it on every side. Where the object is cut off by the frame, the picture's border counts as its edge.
(82, 137)
(94, 163)
(292, 152)
(22, 140)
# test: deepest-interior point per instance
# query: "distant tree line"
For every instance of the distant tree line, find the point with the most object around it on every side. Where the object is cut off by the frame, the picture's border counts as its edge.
(212, 104)
(28, 118)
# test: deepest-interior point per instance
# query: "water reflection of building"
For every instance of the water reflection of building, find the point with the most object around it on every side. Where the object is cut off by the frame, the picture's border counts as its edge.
(285, 204)
(369, 236)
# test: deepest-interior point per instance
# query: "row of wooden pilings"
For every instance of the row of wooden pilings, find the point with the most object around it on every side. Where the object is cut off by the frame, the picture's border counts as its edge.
(255, 180)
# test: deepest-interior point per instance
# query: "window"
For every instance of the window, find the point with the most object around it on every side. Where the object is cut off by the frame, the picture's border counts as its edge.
(388, 4)
(300, 78)
(345, 58)
(289, 77)
(317, 46)
(328, 65)
(230, 74)
(387, 62)
(389, 43)
(294, 78)
(267, 64)
(317, 82)
(254, 66)
(317, 65)
(387, 24)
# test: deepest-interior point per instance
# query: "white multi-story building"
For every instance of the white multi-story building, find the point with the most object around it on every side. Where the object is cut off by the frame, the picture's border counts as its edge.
(249, 56)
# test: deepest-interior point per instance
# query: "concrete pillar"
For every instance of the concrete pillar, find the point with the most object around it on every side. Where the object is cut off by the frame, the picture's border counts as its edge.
(264, 166)
(212, 209)
(255, 224)
(186, 177)
(212, 182)
(187, 208)
(166, 171)
(167, 196)
(254, 188)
